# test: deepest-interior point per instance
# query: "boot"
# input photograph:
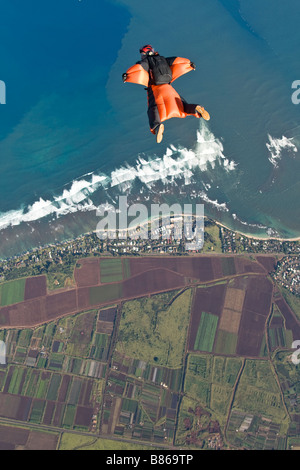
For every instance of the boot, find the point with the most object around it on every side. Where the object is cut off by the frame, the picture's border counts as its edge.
(203, 113)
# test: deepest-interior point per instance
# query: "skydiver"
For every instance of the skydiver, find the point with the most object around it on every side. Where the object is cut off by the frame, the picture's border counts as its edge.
(156, 73)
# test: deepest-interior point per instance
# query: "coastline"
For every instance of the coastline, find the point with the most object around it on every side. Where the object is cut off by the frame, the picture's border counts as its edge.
(88, 233)
(220, 224)
(255, 237)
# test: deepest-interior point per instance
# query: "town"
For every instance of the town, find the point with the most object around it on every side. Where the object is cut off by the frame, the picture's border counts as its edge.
(58, 260)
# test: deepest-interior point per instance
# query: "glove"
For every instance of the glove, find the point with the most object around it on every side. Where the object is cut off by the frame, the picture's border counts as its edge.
(193, 65)
(124, 76)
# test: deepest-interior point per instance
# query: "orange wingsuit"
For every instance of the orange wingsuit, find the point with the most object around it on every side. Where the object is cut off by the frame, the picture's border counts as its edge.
(163, 100)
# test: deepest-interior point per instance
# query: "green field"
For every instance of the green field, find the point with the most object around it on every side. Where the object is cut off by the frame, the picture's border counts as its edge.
(72, 442)
(154, 332)
(226, 342)
(111, 270)
(126, 268)
(258, 391)
(109, 293)
(12, 292)
(210, 380)
(206, 332)
(212, 241)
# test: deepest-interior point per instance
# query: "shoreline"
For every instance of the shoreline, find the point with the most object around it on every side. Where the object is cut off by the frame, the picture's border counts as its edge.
(254, 237)
(88, 233)
(220, 224)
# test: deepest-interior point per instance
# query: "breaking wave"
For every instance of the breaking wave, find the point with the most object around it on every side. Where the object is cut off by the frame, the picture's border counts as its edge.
(175, 163)
(276, 146)
(77, 198)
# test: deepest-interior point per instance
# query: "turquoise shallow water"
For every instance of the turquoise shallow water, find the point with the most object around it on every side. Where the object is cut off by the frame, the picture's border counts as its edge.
(72, 135)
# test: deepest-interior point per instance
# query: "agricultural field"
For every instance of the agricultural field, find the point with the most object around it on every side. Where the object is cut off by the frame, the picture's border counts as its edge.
(289, 379)
(258, 391)
(100, 281)
(215, 389)
(25, 438)
(12, 292)
(165, 351)
(154, 329)
(252, 431)
(278, 335)
(48, 398)
(229, 317)
(55, 373)
(111, 270)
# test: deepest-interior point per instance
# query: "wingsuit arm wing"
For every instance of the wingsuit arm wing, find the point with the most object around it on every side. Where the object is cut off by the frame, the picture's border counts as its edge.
(180, 66)
(136, 74)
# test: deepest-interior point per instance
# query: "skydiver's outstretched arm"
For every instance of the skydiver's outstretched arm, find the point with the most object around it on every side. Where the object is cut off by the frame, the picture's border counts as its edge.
(171, 60)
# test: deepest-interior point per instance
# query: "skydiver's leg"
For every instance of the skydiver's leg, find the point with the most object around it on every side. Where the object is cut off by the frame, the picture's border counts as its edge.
(188, 108)
(153, 115)
(195, 110)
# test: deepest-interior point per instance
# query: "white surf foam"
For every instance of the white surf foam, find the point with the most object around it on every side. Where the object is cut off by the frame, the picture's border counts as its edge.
(71, 200)
(220, 206)
(260, 226)
(175, 163)
(275, 147)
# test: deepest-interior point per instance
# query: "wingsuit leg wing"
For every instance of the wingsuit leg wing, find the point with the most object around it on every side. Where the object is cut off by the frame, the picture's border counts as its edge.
(165, 103)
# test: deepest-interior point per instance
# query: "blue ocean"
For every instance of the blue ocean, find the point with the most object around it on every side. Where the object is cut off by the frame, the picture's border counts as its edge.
(73, 136)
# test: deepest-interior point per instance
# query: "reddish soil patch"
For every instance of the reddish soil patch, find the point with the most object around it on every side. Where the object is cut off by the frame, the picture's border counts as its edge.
(23, 409)
(35, 287)
(83, 296)
(195, 267)
(83, 416)
(85, 393)
(13, 435)
(251, 334)
(256, 309)
(245, 265)
(64, 388)
(156, 280)
(210, 299)
(28, 313)
(108, 315)
(268, 262)
(89, 272)
(49, 412)
(42, 441)
(217, 267)
(291, 321)
(4, 316)
(36, 311)
(59, 304)
(258, 295)
(58, 414)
